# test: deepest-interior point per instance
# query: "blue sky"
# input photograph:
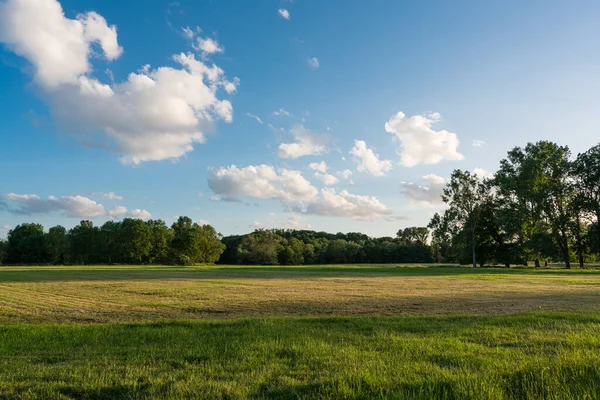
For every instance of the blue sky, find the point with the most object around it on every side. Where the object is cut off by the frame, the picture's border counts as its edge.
(273, 87)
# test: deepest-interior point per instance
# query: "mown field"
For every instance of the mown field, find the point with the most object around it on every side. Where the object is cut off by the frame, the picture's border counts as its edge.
(376, 331)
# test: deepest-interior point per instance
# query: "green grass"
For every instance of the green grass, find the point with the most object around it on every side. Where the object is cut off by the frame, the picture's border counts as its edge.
(302, 332)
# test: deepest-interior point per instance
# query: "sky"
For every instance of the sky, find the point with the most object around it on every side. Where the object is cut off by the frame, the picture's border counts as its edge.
(328, 115)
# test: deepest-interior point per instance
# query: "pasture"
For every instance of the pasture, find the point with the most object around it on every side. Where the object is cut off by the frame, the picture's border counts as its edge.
(349, 331)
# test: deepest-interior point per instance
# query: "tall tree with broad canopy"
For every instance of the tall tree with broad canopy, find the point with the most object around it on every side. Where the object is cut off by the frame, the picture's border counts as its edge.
(413, 235)
(27, 244)
(464, 195)
(537, 181)
(587, 183)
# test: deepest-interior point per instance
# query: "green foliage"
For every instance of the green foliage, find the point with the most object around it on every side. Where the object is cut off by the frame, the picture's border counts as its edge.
(131, 241)
(540, 206)
(58, 245)
(193, 243)
(27, 245)
(294, 247)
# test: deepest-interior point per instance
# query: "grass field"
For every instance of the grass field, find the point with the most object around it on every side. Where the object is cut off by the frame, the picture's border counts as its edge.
(375, 331)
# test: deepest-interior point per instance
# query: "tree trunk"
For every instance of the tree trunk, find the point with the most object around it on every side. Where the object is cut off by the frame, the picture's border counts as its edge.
(473, 251)
(566, 256)
(507, 264)
(581, 264)
(537, 263)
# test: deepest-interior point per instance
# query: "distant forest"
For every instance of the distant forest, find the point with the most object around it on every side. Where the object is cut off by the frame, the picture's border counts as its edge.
(542, 205)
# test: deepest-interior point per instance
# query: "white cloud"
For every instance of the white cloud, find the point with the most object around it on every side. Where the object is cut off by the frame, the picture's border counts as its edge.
(203, 222)
(58, 47)
(117, 211)
(420, 143)
(123, 212)
(108, 195)
(429, 196)
(435, 180)
(306, 144)
(71, 206)
(482, 173)
(6, 227)
(139, 214)
(313, 63)
(347, 205)
(367, 161)
(320, 166)
(478, 143)
(327, 179)
(294, 191)
(281, 112)
(255, 117)
(155, 114)
(261, 181)
(285, 14)
(207, 46)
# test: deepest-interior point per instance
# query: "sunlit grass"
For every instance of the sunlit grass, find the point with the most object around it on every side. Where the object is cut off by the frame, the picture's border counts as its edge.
(300, 332)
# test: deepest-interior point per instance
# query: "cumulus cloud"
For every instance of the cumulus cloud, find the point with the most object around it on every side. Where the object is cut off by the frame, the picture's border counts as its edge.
(261, 181)
(306, 143)
(313, 63)
(70, 206)
(327, 179)
(6, 227)
(155, 114)
(420, 143)
(123, 212)
(320, 166)
(478, 143)
(482, 173)
(367, 161)
(255, 117)
(59, 48)
(347, 205)
(207, 46)
(429, 195)
(285, 14)
(117, 212)
(139, 214)
(294, 191)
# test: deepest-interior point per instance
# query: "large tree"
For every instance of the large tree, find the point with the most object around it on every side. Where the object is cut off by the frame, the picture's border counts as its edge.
(464, 194)
(84, 243)
(193, 243)
(27, 245)
(587, 181)
(536, 182)
(57, 245)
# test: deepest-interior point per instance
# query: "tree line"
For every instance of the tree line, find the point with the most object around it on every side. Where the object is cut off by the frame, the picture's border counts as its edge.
(541, 205)
(294, 247)
(130, 241)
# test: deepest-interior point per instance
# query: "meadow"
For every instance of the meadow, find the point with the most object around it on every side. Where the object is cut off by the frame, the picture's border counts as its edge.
(347, 331)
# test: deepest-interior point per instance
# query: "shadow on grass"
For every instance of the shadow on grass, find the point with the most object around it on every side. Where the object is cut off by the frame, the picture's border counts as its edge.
(83, 273)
